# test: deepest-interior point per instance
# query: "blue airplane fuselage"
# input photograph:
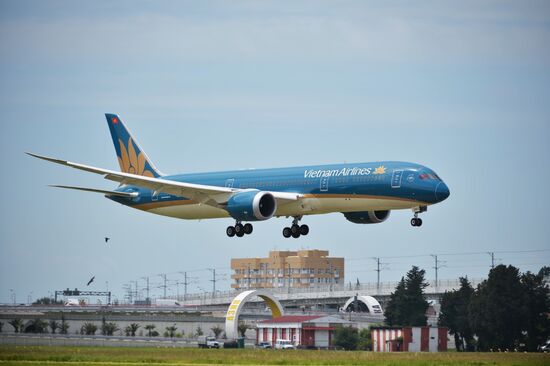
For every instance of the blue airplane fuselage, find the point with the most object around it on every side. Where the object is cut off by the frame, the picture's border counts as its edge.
(349, 187)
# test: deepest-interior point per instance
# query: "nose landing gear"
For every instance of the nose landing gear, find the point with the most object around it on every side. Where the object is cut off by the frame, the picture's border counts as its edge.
(296, 230)
(416, 221)
(239, 230)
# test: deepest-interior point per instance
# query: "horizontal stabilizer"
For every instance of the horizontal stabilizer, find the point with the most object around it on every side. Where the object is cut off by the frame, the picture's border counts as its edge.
(108, 193)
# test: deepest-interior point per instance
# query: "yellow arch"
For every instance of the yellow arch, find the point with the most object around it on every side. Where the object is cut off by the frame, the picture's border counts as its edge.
(236, 306)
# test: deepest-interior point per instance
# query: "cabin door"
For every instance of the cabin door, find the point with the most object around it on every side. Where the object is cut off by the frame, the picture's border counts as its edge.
(324, 184)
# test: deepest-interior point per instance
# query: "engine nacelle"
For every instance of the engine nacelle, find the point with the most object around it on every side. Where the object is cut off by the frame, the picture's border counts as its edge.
(252, 206)
(367, 217)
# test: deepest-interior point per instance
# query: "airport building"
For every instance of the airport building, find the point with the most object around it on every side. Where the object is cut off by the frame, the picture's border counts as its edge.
(297, 269)
(305, 331)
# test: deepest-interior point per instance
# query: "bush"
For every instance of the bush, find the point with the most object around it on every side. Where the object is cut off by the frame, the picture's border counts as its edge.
(346, 338)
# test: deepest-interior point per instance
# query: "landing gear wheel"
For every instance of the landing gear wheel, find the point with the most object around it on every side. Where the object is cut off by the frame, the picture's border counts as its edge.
(287, 232)
(248, 229)
(418, 222)
(295, 229)
(240, 234)
(296, 235)
(413, 221)
(230, 231)
(304, 230)
(239, 228)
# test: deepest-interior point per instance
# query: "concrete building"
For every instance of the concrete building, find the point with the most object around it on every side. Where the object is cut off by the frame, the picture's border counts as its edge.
(296, 269)
(302, 330)
(409, 339)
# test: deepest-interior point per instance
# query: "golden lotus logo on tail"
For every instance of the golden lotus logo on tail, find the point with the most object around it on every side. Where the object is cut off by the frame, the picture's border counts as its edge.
(380, 170)
(130, 161)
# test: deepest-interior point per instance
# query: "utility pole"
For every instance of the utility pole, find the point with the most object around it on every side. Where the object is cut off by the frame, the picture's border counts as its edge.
(378, 270)
(331, 276)
(185, 283)
(213, 280)
(288, 278)
(492, 254)
(147, 287)
(163, 275)
(248, 277)
(437, 267)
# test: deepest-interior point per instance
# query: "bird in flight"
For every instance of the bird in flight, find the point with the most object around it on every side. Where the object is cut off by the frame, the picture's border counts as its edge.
(90, 281)
(107, 239)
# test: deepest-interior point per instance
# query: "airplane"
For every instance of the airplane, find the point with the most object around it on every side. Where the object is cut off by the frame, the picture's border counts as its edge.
(365, 193)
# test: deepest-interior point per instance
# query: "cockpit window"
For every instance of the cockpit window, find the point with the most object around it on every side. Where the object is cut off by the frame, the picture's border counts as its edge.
(426, 176)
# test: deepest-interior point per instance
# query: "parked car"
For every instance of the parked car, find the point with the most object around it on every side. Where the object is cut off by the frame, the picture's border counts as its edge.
(208, 342)
(284, 344)
(264, 345)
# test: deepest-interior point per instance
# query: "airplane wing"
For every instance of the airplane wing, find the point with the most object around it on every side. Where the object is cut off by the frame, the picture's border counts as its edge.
(210, 195)
(108, 193)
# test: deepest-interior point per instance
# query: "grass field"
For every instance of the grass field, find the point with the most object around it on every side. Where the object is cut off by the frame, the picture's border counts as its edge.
(97, 356)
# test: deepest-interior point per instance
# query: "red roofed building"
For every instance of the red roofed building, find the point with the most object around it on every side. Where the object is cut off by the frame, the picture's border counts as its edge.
(302, 330)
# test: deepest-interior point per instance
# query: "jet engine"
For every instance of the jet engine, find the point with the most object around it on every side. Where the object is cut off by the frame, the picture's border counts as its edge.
(252, 206)
(367, 217)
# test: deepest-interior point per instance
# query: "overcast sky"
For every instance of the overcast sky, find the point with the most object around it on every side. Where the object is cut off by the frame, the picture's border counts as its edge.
(461, 87)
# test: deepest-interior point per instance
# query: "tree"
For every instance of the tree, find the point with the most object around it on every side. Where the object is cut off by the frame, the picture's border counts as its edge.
(37, 326)
(242, 328)
(535, 309)
(47, 301)
(54, 325)
(495, 309)
(64, 328)
(217, 330)
(1, 325)
(199, 331)
(365, 341)
(150, 328)
(88, 328)
(109, 328)
(454, 315)
(131, 329)
(407, 306)
(17, 324)
(346, 338)
(171, 330)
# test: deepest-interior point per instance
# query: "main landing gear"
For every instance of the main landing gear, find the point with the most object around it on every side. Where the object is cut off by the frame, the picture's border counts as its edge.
(239, 229)
(417, 221)
(296, 230)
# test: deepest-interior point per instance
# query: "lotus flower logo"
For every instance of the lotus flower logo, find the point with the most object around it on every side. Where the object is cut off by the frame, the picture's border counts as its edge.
(380, 170)
(130, 161)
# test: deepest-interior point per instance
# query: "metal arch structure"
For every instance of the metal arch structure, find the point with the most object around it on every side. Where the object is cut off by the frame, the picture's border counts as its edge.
(370, 302)
(236, 306)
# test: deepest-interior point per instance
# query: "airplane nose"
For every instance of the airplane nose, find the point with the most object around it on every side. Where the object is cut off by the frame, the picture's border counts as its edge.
(441, 192)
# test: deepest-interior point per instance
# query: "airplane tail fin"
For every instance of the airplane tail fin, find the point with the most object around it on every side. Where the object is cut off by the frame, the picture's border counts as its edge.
(131, 157)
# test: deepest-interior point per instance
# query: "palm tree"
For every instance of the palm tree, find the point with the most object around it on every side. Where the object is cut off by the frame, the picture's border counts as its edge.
(64, 328)
(217, 330)
(54, 325)
(17, 324)
(199, 331)
(150, 328)
(88, 328)
(171, 330)
(109, 328)
(133, 329)
(37, 326)
(242, 327)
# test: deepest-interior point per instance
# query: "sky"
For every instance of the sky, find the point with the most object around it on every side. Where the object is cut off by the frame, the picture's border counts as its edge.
(461, 87)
